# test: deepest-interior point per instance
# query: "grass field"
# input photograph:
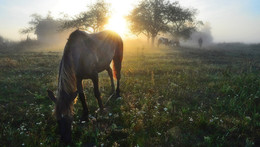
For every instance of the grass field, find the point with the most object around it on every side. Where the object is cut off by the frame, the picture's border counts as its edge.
(179, 96)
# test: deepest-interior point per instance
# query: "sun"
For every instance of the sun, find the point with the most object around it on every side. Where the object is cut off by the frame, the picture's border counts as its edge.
(117, 21)
(117, 24)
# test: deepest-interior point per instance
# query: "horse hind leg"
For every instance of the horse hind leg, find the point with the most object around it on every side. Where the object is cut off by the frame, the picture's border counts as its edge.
(96, 91)
(110, 73)
(117, 61)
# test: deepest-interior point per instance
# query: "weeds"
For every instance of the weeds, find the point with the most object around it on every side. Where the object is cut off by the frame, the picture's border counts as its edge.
(179, 97)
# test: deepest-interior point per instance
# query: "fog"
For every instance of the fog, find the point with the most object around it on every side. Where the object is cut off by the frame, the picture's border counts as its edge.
(204, 33)
(230, 21)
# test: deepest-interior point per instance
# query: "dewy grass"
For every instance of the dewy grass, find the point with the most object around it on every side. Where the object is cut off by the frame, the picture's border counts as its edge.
(179, 97)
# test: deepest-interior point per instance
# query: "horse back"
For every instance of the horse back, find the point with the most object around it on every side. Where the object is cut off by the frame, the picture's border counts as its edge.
(92, 52)
(106, 44)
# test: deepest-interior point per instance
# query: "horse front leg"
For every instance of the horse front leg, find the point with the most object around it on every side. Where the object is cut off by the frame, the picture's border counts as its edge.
(96, 91)
(83, 101)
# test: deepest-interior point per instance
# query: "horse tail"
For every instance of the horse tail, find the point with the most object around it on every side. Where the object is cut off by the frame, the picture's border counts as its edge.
(117, 60)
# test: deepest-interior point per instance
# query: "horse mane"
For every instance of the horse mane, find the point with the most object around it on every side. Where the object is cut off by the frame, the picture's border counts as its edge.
(67, 76)
(67, 81)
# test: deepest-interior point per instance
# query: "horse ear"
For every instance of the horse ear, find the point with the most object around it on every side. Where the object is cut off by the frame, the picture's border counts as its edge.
(51, 96)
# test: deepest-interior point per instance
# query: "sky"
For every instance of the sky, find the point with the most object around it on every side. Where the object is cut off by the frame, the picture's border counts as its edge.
(230, 20)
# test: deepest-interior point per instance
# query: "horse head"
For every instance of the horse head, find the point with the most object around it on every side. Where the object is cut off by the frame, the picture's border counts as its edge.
(64, 113)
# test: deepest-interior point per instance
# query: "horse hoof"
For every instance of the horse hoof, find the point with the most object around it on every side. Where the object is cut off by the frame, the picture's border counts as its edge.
(84, 118)
(118, 96)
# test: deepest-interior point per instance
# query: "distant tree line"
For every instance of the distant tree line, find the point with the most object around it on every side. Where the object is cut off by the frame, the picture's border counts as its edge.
(2, 42)
(50, 31)
(149, 17)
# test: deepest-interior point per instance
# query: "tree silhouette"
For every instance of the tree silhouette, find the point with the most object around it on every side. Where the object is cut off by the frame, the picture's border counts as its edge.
(181, 21)
(150, 17)
(45, 28)
(92, 20)
(36, 18)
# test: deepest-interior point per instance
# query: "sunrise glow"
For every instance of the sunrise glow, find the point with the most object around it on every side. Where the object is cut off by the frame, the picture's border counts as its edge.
(117, 21)
(118, 24)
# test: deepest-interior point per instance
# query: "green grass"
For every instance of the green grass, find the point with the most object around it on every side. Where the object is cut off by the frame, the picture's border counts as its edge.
(180, 96)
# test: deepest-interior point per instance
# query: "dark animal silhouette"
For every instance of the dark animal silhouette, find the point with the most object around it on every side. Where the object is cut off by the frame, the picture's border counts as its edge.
(200, 41)
(162, 40)
(174, 43)
(85, 55)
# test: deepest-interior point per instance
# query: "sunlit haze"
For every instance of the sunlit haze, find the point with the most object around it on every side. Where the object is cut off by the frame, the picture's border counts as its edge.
(117, 22)
(230, 21)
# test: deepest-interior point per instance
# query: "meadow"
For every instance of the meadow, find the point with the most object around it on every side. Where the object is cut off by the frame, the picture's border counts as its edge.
(169, 97)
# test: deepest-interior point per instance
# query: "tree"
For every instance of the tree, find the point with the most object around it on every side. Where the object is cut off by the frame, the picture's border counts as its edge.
(181, 21)
(92, 20)
(36, 18)
(46, 29)
(149, 18)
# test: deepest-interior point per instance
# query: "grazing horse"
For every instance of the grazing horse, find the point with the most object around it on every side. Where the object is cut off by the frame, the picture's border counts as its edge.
(84, 56)
(162, 40)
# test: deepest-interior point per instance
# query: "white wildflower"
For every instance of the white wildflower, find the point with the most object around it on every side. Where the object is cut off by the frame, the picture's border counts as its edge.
(248, 117)
(39, 123)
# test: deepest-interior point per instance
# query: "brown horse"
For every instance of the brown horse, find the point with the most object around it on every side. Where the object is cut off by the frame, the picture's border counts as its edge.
(85, 55)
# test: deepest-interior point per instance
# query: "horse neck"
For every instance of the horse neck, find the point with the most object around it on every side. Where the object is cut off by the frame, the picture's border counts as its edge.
(67, 77)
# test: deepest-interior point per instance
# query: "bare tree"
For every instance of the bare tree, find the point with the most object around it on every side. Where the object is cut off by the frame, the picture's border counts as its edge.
(92, 20)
